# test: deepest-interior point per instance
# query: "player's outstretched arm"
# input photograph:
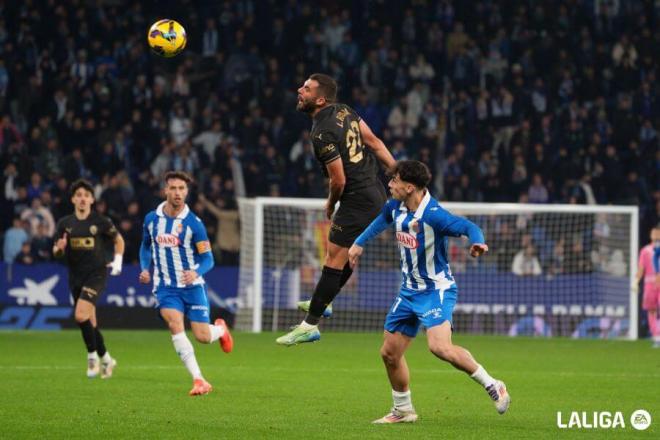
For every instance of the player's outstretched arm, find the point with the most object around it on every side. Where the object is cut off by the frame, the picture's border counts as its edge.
(377, 146)
(457, 226)
(378, 225)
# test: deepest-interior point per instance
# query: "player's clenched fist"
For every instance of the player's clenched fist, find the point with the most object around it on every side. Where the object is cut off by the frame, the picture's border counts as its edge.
(477, 250)
(189, 276)
(60, 245)
(145, 277)
(354, 254)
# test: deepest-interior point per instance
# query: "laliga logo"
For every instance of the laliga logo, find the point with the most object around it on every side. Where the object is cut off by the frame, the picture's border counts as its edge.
(406, 240)
(167, 240)
(640, 420)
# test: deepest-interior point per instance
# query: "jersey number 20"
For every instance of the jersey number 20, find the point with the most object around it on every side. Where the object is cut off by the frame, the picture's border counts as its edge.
(354, 143)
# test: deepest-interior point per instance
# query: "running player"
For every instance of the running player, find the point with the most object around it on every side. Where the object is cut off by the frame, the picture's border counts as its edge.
(428, 291)
(339, 136)
(176, 240)
(82, 238)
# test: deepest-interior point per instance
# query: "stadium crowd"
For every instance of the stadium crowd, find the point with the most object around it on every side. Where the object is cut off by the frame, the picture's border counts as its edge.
(531, 101)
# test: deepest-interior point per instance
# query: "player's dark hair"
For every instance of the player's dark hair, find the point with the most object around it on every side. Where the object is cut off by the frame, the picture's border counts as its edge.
(413, 171)
(327, 86)
(178, 175)
(81, 183)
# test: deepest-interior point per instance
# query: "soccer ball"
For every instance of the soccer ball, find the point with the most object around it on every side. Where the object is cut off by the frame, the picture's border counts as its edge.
(167, 38)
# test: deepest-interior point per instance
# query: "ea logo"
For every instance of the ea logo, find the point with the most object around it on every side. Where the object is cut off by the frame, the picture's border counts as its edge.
(640, 419)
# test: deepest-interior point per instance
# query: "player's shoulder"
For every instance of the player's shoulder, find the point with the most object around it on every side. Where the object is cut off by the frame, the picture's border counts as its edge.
(344, 109)
(648, 249)
(330, 120)
(434, 210)
(193, 220)
(65, 221)
(98, 218)
(392, 204)
(149, 217)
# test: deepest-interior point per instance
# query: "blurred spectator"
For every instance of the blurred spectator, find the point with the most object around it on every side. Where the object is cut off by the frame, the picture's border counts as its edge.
(42, 244)
(577, 259)
(557, 260)
(526, 262)
(15, 237)
(130, 227)
(537, 192)
(25, 255)
(37, 215)
(227, 241)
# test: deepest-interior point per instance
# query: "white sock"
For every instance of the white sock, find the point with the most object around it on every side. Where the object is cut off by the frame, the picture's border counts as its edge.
(305, 326)
(216, 332)
(93, 355)
(186, 352)
(402, 400)
(106, 358)
(481, 376)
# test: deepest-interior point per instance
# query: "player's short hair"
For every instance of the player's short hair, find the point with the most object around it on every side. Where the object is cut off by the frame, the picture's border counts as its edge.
(413, 171)
(327, 86)
(81, 183)
(177, 175)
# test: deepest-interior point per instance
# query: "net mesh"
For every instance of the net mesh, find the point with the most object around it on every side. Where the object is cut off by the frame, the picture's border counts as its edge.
(548, 273)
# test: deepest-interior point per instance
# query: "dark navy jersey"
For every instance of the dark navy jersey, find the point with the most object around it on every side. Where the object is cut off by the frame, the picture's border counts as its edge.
(336, 135)
(87, 241)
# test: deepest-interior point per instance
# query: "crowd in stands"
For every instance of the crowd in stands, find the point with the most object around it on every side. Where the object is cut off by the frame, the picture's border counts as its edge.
(551, 101)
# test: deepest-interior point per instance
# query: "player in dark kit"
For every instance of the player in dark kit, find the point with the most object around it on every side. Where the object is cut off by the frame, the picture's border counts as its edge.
(82, 238)
(339, 137)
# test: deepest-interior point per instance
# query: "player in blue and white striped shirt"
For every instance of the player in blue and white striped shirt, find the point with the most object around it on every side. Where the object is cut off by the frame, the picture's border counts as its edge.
(428, 291)
(175, 240)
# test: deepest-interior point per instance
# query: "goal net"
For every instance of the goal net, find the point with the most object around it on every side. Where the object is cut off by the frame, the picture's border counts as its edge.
(552, 270)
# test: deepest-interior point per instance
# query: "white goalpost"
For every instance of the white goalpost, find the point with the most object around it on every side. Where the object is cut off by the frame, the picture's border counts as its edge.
(552, 270)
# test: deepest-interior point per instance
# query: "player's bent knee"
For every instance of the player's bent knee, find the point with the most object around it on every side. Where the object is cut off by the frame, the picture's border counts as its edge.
(81, 316)
(175, 326)
(390, 357)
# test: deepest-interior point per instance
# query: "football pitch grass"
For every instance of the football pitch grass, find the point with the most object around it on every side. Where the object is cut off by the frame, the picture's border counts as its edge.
(331, 389)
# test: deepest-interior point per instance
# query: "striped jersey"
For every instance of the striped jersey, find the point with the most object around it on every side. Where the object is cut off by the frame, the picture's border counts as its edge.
(176, 244)
(422, 239)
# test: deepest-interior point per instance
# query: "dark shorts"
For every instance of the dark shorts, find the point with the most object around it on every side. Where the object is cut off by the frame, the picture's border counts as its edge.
(89, 286)
(357, 209)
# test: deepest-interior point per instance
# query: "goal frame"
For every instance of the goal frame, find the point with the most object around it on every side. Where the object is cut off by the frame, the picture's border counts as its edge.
(259, 203)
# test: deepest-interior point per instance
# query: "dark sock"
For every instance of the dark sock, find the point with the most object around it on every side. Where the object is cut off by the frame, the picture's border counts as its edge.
(345, 275)
(87, 330)
(326, 289)
(100, 343)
